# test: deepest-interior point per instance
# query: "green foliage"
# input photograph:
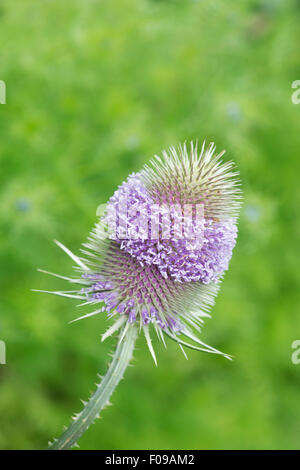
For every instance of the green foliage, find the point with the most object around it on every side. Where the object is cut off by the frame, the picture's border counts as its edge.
(94, 89)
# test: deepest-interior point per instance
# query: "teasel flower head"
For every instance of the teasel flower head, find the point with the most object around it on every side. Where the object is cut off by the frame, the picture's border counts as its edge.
(157, 255)
(170, 233)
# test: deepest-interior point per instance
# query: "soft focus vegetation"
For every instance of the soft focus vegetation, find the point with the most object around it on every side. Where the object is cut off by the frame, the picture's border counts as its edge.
(94, 89)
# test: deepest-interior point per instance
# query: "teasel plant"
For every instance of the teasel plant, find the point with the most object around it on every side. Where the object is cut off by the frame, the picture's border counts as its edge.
(155, 260)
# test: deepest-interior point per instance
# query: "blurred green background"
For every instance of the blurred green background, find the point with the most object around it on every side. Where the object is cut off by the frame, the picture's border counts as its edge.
(94, 89)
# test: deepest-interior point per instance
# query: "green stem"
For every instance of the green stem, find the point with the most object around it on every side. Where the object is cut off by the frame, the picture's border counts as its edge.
(100, 398)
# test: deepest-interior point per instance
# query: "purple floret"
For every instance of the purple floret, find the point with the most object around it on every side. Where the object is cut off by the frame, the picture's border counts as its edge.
(203, 258)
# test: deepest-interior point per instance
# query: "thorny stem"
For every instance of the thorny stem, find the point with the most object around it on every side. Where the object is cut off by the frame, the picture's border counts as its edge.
(100, 398)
